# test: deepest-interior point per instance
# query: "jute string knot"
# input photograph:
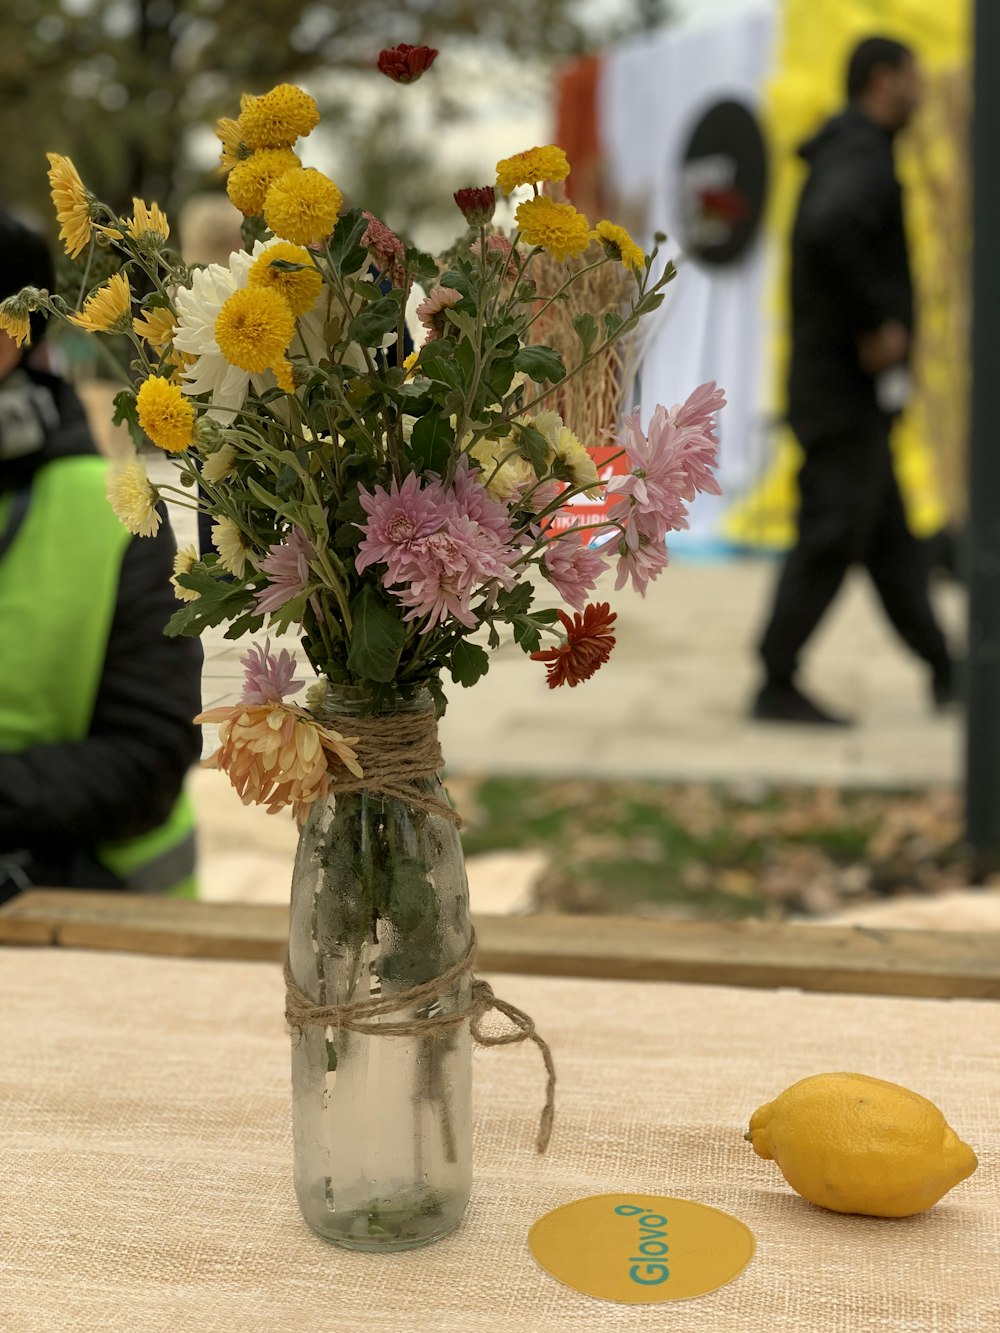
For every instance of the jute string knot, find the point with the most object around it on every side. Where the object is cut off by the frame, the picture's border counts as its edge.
(372, 1017)
(397, 751)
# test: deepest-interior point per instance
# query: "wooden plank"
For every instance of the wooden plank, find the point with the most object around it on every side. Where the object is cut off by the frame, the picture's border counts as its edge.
(761, 954)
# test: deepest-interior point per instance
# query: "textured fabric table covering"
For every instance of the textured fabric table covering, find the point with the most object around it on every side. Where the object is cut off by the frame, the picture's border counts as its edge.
(145, 1179)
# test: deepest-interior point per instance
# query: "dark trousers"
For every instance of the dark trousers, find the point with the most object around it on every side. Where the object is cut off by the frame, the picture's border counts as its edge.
(850, 512)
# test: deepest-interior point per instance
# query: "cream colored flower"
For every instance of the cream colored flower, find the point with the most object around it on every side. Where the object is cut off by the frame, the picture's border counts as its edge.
(184, 561)
(134, 498)
(504, 472)
(231, 546)
(582, 468)
(220, 465)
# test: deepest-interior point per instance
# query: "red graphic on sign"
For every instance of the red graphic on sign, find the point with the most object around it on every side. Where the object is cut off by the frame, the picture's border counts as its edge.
(586, 511)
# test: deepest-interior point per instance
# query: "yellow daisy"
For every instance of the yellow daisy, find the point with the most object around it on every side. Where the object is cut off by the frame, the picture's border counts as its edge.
(134, 498)
(300, 287)
(231, 546)
(234, 150)
(410, 364)
(184, 562)
(575, 458)
(250, 180)
(220, 465)
(618, 244)
(557, 228)
(74, 204)
(148, 225)
(165, 414)
(156, 327)
(278, 118)
(530, 167)
(14, 320)
(254, 328)
(109, 309)
(303, 206)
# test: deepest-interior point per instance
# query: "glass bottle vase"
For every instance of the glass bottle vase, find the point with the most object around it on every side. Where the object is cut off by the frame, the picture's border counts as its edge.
(382, 1124)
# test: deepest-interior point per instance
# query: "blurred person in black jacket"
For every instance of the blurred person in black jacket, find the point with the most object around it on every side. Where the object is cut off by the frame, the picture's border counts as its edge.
(95, 702)
(851, 334)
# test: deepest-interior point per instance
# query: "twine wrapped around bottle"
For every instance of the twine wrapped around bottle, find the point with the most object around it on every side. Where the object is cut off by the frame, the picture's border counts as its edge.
(396, 751)
(372, 1016)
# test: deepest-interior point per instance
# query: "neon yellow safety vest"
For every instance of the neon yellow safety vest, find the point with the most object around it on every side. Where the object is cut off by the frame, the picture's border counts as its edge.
(58, 588)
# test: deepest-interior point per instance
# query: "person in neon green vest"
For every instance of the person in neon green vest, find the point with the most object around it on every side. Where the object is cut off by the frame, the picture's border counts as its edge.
(95, 702)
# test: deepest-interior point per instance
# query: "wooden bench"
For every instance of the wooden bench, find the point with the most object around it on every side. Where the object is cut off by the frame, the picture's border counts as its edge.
(760, 954)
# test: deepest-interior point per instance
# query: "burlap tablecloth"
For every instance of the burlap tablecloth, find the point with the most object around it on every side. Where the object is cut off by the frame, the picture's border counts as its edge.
(145, 1176)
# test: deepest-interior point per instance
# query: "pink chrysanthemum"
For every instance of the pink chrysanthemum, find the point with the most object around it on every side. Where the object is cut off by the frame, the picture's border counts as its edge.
(642, 553)
(385, 248)
(432, 310)
(498, 245)
(287, 568)
(696, 418)
(469, 498)
(398, 519)
(572, 568)
(268, 679)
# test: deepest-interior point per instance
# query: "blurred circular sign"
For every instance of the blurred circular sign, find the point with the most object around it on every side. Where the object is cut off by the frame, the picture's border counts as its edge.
(723, 184)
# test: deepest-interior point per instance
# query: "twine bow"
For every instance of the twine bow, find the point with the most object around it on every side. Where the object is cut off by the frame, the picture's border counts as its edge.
(368, 1016)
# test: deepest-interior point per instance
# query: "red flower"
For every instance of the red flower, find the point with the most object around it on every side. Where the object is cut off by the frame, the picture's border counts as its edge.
(588, 646)
(477, 204)
(404, 63)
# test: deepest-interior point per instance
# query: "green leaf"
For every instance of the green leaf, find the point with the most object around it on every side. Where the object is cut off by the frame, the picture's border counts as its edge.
(411, 894)
(586, 331)
(331, 1056)
(371, 324)
(541, 363)
(421, 266)
(431, 442)
(347, 254)
(612, 323)
(526, 633)
(377, 637)
(127, 414)
(468, 663)
(464, 322)
(457, 281)
(437, 362)
(532, 445)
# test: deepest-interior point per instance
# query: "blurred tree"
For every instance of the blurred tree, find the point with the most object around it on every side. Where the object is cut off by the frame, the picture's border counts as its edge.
(119, 85)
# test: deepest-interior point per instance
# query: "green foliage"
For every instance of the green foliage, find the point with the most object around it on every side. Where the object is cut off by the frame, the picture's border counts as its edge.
(377, 636)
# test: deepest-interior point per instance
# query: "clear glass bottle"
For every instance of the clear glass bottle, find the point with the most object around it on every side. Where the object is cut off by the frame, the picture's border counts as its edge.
(382, 1125)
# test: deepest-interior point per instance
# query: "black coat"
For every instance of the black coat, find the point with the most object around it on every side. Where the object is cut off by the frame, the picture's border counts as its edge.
(57, 801)
(849, 271)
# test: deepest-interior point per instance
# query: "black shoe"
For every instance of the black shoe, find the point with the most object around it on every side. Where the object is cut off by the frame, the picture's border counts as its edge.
(784, 703)
(945, 693)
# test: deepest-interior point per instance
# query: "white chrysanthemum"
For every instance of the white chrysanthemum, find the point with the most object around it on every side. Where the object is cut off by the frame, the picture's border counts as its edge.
(198, 308)
(231, 546)
(220, 465)
(184, 561)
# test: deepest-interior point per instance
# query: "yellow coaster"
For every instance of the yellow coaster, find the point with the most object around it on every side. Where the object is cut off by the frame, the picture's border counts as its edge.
(641, 1248)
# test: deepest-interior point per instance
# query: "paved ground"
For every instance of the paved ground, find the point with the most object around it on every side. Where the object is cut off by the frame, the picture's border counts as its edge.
(670, 703)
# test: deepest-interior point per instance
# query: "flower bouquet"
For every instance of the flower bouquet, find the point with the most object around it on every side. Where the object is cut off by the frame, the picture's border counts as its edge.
(399, 511)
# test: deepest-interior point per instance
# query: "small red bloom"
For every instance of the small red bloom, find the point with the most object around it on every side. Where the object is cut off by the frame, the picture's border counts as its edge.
(405, 63)
(588, 646)
(477, 204)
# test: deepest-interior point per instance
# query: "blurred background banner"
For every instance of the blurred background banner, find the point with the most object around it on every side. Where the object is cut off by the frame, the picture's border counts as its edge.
(693, 132)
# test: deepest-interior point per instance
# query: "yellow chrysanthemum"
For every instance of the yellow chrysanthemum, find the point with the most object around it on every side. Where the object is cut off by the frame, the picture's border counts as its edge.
(410, 363)
(530, 167)
(250, 180)
(184, 562)
(147, 225)
(557, 228)
(618, 244)
(74, 204)
(234, 150)
(284, 374)
(134, 498)
(278, 118)
(277, 754)
(575, 458)
(504, 472)
(109, 309)
(165, 414)
(156, 327)
(14, 319)
(231, 546)
(220, 465)
(253, 329)
(300, 287)
(302, 206)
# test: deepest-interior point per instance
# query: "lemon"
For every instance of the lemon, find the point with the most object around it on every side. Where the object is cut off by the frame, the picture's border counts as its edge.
(856, 1144)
